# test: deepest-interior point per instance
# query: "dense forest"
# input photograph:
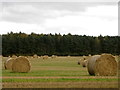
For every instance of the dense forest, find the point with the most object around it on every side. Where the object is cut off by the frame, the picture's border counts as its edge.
(57, 44)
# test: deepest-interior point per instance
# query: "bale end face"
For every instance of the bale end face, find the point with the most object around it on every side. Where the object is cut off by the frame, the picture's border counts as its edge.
(106, 65)
(21, 64)
(102, 65)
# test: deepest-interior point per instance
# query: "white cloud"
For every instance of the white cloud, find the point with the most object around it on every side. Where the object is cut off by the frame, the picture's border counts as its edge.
(103, 11)
(94, 21)
(6, 27)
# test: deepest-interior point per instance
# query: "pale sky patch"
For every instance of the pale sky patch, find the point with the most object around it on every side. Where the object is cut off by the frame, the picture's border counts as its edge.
(64, 18)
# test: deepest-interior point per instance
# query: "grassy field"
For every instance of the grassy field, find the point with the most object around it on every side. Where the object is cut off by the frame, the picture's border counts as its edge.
(60, 72)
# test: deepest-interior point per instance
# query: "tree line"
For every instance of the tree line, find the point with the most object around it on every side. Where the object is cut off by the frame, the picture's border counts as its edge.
(57, 44)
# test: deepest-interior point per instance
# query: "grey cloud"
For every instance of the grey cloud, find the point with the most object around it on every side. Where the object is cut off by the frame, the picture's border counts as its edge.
(38, 12)
(35, 12)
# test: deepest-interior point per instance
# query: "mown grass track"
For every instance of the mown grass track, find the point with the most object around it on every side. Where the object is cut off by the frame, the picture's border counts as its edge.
(60, 72)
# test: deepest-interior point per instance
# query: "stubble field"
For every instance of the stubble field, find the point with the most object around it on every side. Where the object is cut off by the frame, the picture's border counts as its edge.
(60, 72)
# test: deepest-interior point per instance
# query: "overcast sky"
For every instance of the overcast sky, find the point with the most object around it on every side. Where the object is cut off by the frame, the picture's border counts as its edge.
(71, 17)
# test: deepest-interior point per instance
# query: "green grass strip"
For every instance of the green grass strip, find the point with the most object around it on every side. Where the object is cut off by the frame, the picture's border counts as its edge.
(56, 80)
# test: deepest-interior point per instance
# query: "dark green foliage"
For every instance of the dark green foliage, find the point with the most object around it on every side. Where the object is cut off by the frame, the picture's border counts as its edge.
(41, 44)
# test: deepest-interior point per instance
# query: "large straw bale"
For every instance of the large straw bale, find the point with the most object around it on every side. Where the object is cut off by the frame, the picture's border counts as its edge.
(21, 64)
(91, 64)
(102, 65)
(119, 64)
(8, 63)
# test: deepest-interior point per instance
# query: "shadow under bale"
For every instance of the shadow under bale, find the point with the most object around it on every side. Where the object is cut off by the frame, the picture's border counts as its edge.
(84, 63)
(78, 63)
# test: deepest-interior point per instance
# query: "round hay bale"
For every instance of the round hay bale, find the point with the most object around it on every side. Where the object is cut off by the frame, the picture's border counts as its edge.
(35, 56)
(84, 63)
(102, 65)
(21, 64)
(68, 55)
(89, 55)
(53, 56)
(8, 63)
(91, 64)
(119, 63)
